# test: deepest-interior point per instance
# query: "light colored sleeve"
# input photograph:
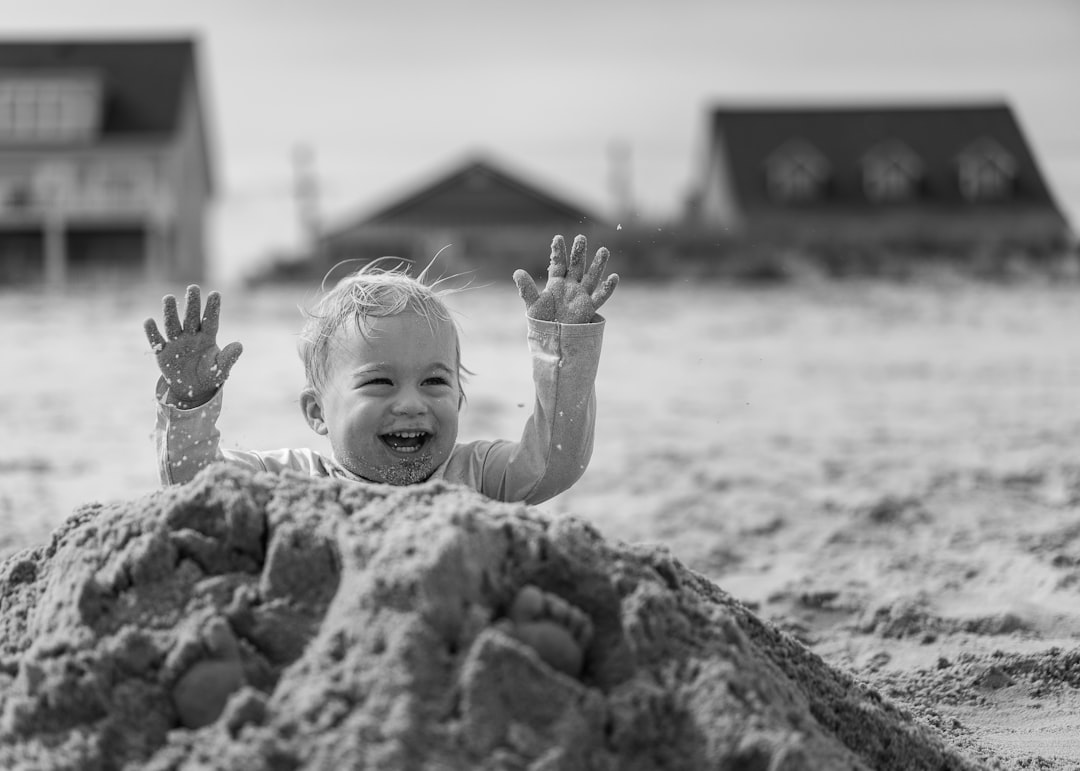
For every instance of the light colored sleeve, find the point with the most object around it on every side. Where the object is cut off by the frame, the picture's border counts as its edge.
(557, 441)
(188, 441)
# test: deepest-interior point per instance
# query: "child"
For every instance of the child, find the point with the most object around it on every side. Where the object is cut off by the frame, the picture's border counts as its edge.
(383, 364)
(383, 367)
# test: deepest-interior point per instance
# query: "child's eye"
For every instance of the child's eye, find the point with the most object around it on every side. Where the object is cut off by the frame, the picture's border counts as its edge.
(437, 380)
(377, 381)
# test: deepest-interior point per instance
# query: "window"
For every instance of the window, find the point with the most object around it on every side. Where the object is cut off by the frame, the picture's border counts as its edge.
(985, 172)
(891, 173)
(128, 182)
(796, 172)
(48, 108)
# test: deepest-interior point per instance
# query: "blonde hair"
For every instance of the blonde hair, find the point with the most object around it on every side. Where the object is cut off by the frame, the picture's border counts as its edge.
(370, 292)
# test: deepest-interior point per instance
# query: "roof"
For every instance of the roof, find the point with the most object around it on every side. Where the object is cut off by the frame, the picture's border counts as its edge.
(144, 79)
(475, 192)
(936, 133)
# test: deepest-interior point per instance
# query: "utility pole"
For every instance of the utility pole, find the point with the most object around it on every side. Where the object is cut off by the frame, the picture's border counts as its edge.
(620, 179)
(306, 195)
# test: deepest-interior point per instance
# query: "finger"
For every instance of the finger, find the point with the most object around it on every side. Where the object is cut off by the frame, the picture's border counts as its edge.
(601, 295)
(157, 342)
(596, 269)
(226, 359)
(557, 268)
(192, 309)
(212, 314)
(171, 317)
(577, 258)
(526, 287)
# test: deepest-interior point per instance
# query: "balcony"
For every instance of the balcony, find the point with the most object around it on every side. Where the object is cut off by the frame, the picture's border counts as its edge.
(114, 191)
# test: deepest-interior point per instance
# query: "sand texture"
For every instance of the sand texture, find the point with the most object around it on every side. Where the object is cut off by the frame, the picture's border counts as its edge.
(365, 621)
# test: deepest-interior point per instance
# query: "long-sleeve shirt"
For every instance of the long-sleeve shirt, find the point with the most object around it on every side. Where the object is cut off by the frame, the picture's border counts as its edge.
(554, 449)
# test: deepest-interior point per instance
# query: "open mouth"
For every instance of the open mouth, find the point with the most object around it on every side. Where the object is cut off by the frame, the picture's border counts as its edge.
(406, 442)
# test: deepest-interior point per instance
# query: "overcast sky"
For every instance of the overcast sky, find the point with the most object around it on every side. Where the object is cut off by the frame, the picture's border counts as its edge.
(388, 94)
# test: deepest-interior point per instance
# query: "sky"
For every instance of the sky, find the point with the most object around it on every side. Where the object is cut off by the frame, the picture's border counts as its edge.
(388, 95)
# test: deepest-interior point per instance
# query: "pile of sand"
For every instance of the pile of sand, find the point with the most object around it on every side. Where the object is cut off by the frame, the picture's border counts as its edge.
(364, 621)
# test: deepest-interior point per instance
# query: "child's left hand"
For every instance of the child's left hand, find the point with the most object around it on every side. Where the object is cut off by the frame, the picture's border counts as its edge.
(572, 295)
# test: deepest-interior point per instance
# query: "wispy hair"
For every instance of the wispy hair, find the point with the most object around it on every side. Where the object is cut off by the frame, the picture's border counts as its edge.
(378, 289)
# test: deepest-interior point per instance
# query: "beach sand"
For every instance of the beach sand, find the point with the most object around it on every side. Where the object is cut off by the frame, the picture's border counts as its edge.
(890, 474)
(351, 627)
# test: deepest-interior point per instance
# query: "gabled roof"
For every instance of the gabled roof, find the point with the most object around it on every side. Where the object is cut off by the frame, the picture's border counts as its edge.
(986, 149)
(475, 192)
(893, 151)
(936, 133)
(143, 79)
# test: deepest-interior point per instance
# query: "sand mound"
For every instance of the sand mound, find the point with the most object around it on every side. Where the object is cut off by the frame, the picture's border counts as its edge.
(364, 621)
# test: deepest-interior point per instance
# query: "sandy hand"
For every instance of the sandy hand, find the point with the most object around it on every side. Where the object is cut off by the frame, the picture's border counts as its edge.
(188, 354)
(555, 629)
(572, 295)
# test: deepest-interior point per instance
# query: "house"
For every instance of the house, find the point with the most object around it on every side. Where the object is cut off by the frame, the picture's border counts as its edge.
(105, 168)
(924, 173)
(494, 219)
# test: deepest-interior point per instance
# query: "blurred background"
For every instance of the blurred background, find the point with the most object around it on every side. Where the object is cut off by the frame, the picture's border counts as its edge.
(327, 126)
(840, 374)
(779, 145)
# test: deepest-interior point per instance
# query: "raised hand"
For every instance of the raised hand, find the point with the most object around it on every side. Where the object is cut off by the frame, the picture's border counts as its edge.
(188, 353)
(572, 295)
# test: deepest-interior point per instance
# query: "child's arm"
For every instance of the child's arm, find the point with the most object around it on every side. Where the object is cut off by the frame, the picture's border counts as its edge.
(565, 335)
(193, 369)
(189, 395)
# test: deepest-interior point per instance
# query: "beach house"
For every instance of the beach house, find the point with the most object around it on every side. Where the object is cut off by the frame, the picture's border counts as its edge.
(929, 173)
(105, 162)
(494, 219)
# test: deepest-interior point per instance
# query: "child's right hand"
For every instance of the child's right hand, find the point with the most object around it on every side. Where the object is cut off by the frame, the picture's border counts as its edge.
(188, 354)
(572, 294)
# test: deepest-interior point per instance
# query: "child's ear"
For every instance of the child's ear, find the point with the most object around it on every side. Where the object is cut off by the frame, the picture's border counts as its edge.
(313, 413)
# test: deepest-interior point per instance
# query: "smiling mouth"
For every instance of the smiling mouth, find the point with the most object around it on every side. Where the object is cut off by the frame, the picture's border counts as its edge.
(405, 442)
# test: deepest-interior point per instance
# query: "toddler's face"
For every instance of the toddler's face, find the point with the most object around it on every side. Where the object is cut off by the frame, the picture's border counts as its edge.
(390, 400)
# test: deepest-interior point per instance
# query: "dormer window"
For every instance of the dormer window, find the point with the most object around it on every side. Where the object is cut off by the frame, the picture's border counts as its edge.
(891, 173)
(985, 172)
(46, 108)
(796, 172)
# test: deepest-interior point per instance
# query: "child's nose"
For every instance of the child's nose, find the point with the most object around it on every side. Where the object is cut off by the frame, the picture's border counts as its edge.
(409, 401)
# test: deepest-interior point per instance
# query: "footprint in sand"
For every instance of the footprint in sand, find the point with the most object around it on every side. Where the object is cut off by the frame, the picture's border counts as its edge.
(202, 691)
(555, 629)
